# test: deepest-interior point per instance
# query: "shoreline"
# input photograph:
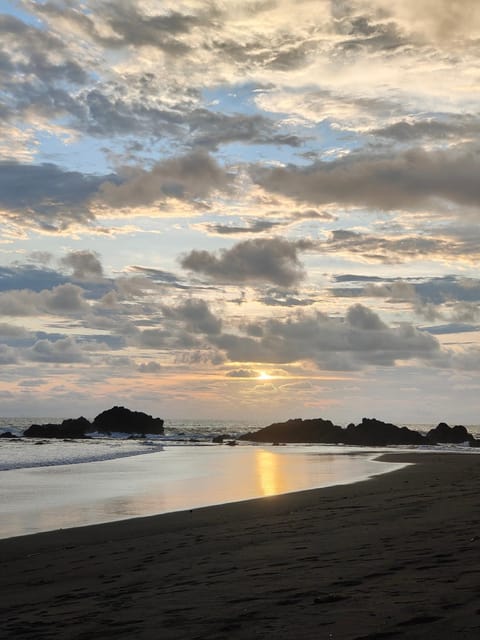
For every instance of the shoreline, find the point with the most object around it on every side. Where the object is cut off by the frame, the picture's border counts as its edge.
(175, 479)
(396, 554)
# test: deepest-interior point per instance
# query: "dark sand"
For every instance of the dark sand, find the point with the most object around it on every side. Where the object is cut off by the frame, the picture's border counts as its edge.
(397, 556)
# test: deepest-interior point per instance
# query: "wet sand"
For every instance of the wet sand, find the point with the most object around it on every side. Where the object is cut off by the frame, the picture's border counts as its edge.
(396, 556)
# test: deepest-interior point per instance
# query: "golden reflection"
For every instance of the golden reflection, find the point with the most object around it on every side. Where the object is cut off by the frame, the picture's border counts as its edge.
(269, 473)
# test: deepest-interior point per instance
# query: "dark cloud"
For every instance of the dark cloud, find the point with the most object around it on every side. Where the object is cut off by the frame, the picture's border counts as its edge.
(449, 288)
(406, 180)
(124, 24)
(149, 367)
(262, 225)
(358, 340)
(449, 128)
(195, 315)
(186, 177)
(392, 250)
(64, 350)
(85, 264)
(210, 129)
(364, 33)
(256, 226)
(62, 299)
(397, 291)
(8, 355)
(437, 290)
(12, 331)
(46, 196)
(453, 327)
(160, 277)
(260, 260)
(356, 278)
(242, 373)
(285, 298)
(29, 277)
(26, 51)
(154, 339)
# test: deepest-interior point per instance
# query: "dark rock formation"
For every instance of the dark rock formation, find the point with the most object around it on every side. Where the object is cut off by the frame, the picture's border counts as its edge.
(126, 421)
(70, 428)
(375, 433)
(8, 435)
(370, 433)
(298, 430)
(115, 419)
(445, 434)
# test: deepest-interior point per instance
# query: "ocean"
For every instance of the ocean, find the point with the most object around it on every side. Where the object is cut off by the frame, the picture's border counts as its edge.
(48, 484)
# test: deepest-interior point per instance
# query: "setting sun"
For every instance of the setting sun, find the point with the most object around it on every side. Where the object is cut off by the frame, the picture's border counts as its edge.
(263, 375)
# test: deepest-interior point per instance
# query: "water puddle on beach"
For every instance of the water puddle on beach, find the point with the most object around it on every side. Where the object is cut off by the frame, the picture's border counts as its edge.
(176, 479)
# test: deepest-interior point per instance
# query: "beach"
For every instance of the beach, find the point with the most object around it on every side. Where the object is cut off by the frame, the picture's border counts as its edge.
(393, 556)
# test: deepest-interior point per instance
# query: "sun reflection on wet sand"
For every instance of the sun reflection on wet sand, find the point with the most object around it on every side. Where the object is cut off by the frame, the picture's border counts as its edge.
(269, 472)
(176, 479)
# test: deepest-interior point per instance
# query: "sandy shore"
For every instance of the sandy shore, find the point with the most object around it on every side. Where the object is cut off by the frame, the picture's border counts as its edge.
(394, 556)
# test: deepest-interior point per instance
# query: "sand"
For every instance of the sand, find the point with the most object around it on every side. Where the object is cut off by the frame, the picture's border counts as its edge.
(396, 556)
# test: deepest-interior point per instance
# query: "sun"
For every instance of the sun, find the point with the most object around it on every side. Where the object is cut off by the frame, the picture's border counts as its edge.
(263, 375)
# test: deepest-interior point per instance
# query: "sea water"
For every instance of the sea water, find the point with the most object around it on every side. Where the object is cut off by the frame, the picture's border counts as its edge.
(52, 484)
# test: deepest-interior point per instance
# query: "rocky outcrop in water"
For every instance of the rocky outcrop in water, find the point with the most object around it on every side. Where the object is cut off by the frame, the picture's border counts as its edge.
(445, 434)
(118, 419)
(298, 430)
(370, 433)
(375, 433)
(126, 421)
(70, 428)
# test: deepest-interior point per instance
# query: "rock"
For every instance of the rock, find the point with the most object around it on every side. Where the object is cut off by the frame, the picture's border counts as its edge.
(70, 428)
(298, 430)
(375, 433)
(126, 421)
(370, 432)
(8, 434)
(218, 439)
(443, 434)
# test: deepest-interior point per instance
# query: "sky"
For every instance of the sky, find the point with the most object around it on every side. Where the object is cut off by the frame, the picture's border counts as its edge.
(248, 210)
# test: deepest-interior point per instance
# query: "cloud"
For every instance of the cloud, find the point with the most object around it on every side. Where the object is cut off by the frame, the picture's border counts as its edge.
(158, 276)
(8, 355)
(65, 350)
(210, 129)
(356, 341)
(442, 21)
(413, 179)
(187, 177)
(12, 331)
(398, 291)
(46, 196)
(283, 298)
(400, 247)
(452, 328)
(195, 315)
(256, 226)
(149, 367)
(455, 129)
(242, 373)
(85, 264)
(28, 51)
(63, 299)
(252, 261)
